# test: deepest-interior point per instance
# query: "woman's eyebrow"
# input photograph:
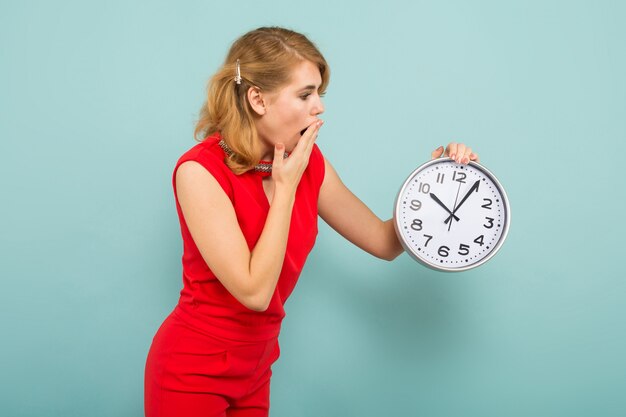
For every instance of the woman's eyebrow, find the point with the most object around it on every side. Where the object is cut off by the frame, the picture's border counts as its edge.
(308, 87)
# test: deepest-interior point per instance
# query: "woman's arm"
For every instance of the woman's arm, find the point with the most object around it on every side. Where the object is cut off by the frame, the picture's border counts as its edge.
(250, 276)
(351, 218)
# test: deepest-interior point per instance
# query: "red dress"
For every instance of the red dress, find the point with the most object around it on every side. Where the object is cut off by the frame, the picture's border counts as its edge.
(210, 337)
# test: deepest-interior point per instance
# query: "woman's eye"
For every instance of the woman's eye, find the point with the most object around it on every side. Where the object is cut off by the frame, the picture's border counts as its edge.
(305, 96)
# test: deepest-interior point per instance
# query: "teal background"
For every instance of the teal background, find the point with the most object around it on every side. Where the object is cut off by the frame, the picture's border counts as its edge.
(99, 99)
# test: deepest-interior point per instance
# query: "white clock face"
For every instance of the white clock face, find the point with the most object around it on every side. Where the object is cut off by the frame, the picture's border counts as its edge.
(450, 216)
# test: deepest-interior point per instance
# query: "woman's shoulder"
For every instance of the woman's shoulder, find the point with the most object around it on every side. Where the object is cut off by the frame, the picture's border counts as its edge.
(316, 162)
(210, 155)
(207, 151)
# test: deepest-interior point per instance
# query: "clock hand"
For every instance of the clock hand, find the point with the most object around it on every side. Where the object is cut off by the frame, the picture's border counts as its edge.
(454, 207)
(434, 197)
(470, 191)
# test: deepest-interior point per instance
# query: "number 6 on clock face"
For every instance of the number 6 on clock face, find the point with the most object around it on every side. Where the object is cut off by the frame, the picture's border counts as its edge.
(452, 217)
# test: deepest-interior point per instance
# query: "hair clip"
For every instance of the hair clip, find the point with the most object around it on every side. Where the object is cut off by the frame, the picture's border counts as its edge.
(238, 74)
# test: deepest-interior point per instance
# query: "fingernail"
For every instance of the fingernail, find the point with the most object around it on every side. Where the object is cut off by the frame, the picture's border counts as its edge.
(453, 156)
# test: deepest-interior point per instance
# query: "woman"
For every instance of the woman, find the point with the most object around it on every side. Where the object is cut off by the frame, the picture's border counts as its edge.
(248, 197)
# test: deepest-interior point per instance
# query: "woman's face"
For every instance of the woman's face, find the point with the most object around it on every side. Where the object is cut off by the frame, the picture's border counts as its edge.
(291, 109)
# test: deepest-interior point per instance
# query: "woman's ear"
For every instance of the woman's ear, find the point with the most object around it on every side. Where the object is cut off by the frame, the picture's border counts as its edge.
(255, 98)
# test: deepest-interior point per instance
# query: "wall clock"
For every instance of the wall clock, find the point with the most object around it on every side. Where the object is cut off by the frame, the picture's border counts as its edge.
(452, 217)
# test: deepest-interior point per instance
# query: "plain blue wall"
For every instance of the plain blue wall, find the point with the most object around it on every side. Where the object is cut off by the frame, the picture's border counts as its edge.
(98, 100)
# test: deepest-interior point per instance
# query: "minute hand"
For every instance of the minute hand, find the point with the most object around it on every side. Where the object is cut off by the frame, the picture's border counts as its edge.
(471, 190)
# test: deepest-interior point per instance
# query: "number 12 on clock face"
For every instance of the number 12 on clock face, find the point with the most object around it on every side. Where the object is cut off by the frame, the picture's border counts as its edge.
(451, 217)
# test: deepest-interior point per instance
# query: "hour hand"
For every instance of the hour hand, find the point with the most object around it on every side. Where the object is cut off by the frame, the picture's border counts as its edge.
(438, 201)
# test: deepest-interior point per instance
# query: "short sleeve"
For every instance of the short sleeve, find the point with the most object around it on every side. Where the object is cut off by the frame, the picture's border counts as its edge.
(317, 166)
(204, 154)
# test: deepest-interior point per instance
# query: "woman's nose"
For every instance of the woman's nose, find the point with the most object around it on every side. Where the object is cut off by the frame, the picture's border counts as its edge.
(319, 107)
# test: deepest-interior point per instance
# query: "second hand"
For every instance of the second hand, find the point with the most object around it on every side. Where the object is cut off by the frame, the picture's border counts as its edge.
(454, 207)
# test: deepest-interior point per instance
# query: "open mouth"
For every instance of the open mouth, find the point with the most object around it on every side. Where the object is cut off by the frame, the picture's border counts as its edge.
(302, 131)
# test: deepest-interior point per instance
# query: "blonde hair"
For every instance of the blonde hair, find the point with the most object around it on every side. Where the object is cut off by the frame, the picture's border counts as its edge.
(267, 56)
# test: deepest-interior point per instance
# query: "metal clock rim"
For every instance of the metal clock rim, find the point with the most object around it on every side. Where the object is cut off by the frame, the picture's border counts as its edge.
(405, 245)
